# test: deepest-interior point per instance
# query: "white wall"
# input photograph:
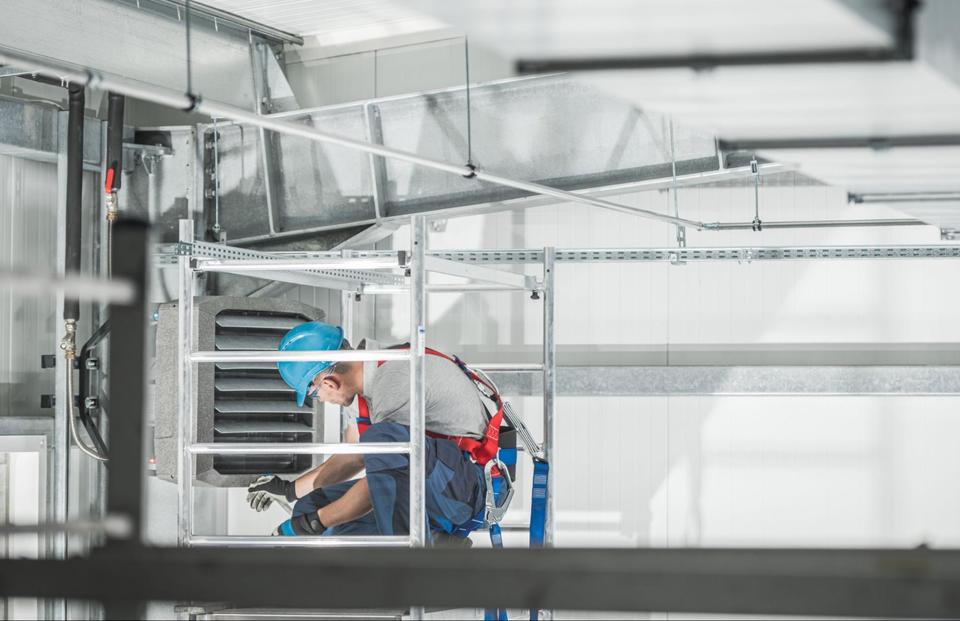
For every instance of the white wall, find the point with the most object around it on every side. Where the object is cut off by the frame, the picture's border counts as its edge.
(725, 471)
(688, 471)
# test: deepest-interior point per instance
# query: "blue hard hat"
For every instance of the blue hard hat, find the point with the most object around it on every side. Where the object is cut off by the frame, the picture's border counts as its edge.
(310, 336)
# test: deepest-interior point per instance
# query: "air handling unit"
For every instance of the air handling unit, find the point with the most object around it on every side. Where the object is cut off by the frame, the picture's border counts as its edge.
(236, 401)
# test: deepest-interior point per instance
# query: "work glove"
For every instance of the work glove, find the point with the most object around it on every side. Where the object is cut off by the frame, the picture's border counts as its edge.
(305, 525)
(266, 489)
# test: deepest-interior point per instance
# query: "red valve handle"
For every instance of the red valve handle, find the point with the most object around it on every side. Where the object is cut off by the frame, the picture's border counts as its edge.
(108, 186)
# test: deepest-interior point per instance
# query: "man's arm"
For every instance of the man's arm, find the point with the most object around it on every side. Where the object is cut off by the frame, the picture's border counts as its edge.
(337, 469)
(351, 506)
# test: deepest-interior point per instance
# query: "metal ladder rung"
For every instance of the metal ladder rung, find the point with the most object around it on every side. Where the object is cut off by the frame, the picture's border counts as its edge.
(301, 356)
(295, 448)
(299, 542)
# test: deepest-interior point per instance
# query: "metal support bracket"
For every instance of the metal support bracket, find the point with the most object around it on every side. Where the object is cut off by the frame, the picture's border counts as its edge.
(478, 272)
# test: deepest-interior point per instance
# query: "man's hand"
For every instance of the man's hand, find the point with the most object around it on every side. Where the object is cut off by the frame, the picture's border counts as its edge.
(307, 525)
(264, 490)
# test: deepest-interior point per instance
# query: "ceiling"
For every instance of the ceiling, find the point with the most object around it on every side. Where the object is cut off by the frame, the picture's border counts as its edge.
(333, 22)
(738, 103)
(768, 102)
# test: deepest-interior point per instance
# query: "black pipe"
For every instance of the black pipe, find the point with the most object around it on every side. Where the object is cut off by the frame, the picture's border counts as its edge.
(114, 141)
(74, 207)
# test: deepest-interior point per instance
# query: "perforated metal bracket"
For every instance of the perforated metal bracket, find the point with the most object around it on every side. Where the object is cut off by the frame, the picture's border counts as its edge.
(343, 279)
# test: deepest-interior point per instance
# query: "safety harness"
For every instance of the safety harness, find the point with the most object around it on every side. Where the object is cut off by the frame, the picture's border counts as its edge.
(497, 463)
(481, 451)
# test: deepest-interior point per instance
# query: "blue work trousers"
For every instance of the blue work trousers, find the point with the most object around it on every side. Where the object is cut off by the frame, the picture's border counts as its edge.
(454, 487)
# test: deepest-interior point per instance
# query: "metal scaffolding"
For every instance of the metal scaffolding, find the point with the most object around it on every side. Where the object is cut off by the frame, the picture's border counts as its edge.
(350, 272)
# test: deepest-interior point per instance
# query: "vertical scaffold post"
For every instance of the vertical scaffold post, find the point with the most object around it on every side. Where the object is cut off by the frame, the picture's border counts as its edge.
(334, 428)
(418, 519)
(549, 385)
(186, 428)
(58, 479)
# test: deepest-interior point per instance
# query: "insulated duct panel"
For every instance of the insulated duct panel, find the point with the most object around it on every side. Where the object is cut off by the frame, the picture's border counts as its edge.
(550, 130)
(236, 402)
(140, 40)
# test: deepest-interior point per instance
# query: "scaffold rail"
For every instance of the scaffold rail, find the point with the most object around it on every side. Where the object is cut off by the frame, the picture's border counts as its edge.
(740, 254)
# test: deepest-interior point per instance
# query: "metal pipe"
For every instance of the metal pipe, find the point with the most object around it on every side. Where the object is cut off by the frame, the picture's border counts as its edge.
(185, 397)
(258, 73)
(543, 190)
(193, 103)
(74, 286)
(216, 181)
(289, 448)
(681, 231)
(346, 355)
(440, 288)
(115, 110)
(347, 541)
(505, 367)
(295, 265)
(58, 481)
(72, 417)
(116, 527)
(419, 531)
(114, 171)
(550, 386)
(153, 191)
(902, 197)
(74, 223)
(348, 325)
(418, 301)
(812, 224)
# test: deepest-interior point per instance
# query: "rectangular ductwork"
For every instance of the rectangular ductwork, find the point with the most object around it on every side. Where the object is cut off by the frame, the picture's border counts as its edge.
(236, 402)
(550, 130)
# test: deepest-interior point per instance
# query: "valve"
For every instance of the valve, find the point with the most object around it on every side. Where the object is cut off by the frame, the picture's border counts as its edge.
(112, 211)
(69, 341)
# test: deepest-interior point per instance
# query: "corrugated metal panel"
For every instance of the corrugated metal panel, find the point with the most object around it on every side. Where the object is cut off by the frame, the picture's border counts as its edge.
(259, 407)
(251, 384)
(265, 342)
(238, 320)
(259, 428)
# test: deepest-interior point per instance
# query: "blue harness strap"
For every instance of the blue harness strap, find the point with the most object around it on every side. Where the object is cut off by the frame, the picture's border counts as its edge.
(538, 503)
(496, 540)
(538, 512)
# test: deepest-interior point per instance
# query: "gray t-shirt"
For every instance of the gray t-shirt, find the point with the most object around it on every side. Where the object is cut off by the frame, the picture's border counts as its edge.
(454, 406)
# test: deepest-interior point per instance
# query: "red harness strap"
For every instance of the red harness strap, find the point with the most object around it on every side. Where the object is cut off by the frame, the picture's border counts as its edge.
(481, 451)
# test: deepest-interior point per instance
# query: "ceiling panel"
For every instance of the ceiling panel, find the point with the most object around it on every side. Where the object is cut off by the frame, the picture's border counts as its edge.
(333, 22)
(570, 28)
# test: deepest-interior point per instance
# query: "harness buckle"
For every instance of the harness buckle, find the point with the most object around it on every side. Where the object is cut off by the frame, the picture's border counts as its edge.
(494, 513)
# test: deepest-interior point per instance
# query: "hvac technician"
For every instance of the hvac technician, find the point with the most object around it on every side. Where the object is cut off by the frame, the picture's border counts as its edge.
(328, 502)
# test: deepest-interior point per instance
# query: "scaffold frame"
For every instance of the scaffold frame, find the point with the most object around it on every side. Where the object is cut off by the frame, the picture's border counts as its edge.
(351, 272)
